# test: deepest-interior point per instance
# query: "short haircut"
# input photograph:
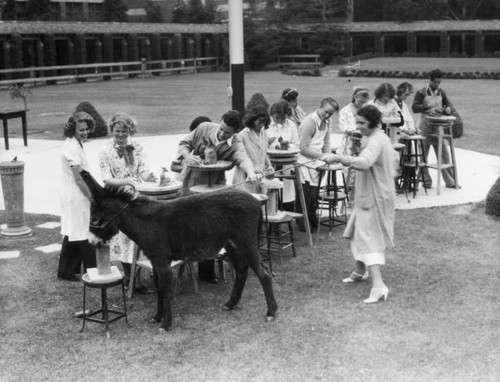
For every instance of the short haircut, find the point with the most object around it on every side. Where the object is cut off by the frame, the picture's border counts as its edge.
(403, 88)
(436, 73)
(255, 114)
(197, 121)
(78, 117)
(360, 92)
(330, 101)
(290, 94)
(384, 89)
(281, 108)
(125, 121)
(232, 118)
(372, 114)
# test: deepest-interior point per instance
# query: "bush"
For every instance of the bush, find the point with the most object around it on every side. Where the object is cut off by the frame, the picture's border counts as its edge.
(493, 200)
(101, 129)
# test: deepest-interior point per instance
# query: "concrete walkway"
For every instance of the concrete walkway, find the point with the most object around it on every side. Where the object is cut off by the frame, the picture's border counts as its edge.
(42, 177)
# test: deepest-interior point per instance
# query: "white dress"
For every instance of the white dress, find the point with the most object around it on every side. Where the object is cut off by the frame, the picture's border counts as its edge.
(112, 166)
(75, 206)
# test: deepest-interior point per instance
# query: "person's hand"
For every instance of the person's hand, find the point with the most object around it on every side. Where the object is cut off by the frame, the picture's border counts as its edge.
(193, 160)
(329, 158)
(254, 177)
(269, 170)
(447, 110)
(271, 140)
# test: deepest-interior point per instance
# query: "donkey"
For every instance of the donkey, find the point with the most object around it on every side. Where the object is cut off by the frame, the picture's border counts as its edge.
(191, 228)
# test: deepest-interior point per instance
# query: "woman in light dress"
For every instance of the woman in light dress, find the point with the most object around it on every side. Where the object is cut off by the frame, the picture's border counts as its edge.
(123, 164)
(371, 225)
(292, 97)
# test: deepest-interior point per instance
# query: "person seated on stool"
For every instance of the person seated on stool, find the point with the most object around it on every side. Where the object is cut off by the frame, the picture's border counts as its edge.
(431, 100)
(228, 148)
(314, 141)
(281, 126)
(384, 101)
(123, 164)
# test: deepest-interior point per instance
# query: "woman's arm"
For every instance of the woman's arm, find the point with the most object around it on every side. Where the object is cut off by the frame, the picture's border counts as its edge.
(76, 170)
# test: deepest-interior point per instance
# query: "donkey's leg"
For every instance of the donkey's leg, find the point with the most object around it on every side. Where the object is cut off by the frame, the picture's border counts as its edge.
(159, 299)
(166, 285)
(250, 254)
(241, 273)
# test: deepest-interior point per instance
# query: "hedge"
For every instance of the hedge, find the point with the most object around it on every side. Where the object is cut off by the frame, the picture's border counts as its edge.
(493, 200)
(350, 72)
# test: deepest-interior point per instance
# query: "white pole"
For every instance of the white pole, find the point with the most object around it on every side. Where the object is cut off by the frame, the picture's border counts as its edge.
(236, 54)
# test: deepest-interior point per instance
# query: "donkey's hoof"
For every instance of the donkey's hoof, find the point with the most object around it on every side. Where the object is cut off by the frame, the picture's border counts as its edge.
(228, 306)
(155, 320)
(270, 318)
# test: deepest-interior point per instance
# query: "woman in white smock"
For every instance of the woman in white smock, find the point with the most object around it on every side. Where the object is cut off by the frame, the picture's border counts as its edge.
(75, 200)
(314, 138)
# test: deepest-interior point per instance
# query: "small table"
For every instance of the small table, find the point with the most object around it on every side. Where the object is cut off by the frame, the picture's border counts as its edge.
(11, 114)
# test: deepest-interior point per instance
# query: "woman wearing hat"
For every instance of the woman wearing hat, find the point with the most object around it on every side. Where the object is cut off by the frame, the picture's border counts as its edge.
(123, 163)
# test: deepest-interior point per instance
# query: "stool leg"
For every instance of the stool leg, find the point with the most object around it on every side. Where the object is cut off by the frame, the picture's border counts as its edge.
(192, 276)
(125, 304)
(290, 232)
(84, 315)
(105, 315)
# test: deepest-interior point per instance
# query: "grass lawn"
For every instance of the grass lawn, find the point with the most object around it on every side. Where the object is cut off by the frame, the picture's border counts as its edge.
(166, 105)
(440, 322)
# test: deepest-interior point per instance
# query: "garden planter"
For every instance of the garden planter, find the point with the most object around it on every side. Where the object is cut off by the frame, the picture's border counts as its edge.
(13, 194)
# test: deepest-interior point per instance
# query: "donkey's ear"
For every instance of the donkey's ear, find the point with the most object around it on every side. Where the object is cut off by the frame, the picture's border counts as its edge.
(94, 187)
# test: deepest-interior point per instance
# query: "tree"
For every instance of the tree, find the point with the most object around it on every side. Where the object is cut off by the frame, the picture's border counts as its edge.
(153, 12)
(9, 10)
(115, 10)
(38, 10)
(195, 12)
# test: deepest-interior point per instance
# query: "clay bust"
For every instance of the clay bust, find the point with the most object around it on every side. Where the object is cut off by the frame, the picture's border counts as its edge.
(210, 153)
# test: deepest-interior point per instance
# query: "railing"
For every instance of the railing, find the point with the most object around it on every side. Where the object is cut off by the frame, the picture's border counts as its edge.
(106, 71)
(299, 60)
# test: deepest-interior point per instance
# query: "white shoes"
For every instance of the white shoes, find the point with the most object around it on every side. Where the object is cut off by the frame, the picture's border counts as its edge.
(376, 294)
(354, 277)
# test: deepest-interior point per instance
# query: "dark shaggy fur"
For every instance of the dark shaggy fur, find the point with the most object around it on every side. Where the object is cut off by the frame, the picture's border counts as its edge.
(190, 228)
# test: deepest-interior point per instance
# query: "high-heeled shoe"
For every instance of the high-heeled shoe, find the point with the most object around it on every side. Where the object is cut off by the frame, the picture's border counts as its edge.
(376, 294)
(354, 277)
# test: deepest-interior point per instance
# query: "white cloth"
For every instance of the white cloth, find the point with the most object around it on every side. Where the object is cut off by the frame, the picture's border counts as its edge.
(75, 206)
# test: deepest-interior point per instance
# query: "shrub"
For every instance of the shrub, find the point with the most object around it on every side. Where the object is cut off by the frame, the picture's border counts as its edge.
(101, 129)
(493, 200)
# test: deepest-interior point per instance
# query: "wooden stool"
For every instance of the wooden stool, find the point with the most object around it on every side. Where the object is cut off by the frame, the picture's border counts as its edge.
(116, 279)
(442, 130)
(331, 195)
(413, 162)
(278, 240)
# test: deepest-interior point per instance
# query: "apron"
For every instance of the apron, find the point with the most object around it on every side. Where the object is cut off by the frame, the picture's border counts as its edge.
(308, 171)
(430, 100)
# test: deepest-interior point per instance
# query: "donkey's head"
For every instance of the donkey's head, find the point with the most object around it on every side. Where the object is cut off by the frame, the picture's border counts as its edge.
(102, 223)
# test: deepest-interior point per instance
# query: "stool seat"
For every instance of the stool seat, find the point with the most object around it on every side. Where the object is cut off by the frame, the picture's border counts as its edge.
(103, 282)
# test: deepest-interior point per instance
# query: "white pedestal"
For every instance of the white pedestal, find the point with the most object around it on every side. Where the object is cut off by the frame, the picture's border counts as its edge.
(94, 275)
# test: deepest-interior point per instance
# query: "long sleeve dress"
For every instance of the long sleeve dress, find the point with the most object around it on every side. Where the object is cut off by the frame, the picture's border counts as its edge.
(371, 225)
(256, 149)
(114, 166)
